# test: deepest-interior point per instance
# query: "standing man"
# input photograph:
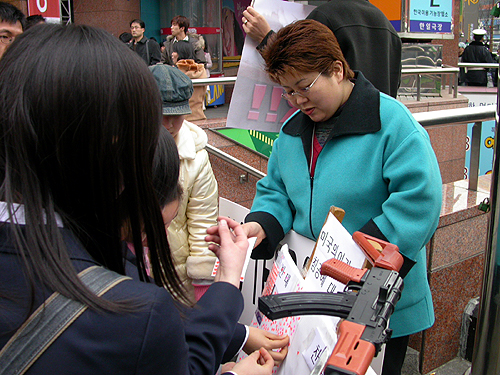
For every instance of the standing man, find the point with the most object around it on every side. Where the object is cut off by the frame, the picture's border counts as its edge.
(476, 52)
(179, 28)
(146, 48)
(12, 22)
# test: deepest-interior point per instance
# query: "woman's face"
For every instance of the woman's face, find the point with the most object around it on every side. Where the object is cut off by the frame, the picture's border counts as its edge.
(324, 97)
(169, 212)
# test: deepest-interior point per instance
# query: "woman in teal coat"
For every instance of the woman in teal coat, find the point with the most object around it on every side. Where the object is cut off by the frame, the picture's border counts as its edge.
(352, 147)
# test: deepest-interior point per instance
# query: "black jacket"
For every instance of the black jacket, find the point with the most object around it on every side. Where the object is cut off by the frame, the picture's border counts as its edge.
(476, 52)
(148, 49)
(367, 39)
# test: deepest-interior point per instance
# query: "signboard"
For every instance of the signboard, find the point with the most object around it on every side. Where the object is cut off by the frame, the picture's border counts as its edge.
(392, 10)
(256, 102)
(431, 16)
(49, 9)
(486, 152)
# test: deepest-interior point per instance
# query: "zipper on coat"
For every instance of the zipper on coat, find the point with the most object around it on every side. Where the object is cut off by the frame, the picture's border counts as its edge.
(310, 208)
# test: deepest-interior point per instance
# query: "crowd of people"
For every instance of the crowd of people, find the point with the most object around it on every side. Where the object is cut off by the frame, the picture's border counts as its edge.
(109, 202)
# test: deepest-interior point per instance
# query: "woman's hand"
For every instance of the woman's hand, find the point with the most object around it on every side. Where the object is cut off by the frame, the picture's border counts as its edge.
(231, 249)
(276, 345)
(251, 229)
(254, 24)
(259, 362)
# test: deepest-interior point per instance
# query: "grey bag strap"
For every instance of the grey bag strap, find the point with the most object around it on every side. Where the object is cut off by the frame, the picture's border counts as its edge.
(50, 320)
(147, 51)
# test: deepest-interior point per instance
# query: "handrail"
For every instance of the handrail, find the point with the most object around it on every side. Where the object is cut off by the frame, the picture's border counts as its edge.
(404, 71)
(448, 70)
(214, 81)
(426, 119)
(478, 65)
(236, 162)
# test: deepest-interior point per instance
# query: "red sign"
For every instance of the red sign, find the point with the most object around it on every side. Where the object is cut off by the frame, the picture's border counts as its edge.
(46, 8)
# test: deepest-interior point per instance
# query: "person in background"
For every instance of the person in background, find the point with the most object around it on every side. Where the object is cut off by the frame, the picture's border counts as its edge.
(77, 146)
(208, 58)
(179, 29)
(476, 52)
(125, 37)
(182, 50)
(147, 49)
(461, 75)
(33, 20)
(367, 38)
(198, 209)
(350, 146)
(12, 23)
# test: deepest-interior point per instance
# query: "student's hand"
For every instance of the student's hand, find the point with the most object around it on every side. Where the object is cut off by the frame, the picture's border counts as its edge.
(251, 229)
(259, 362)
(254, 24)
(276, 345)
(231, 249)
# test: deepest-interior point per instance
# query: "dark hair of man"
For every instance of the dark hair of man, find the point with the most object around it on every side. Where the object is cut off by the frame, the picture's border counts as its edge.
(181, 21)
(80, 124)
(303, 46)
(140, 22)
(166, 166)
(33, 20)
(10, 14)
(478, 38)
(125, 37)
(184, 49)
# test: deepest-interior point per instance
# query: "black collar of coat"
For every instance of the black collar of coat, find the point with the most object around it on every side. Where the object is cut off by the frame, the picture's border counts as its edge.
(359, 115)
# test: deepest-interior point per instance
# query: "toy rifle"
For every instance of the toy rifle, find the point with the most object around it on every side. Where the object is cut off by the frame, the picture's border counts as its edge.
(365, 305)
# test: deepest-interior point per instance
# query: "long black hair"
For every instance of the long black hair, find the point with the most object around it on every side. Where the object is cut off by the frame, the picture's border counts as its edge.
(79, 124)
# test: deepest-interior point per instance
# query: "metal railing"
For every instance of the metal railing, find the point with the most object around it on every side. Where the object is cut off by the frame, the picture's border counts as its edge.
(419, 72)
(427, 119)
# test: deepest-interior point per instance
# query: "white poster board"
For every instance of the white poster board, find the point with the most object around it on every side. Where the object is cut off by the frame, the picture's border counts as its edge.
(256, 102)
(314, 333)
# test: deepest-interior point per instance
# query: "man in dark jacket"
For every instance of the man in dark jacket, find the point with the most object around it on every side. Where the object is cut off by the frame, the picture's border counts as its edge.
(476, 52)
(147, 49)
(366, 37)
(179, 29)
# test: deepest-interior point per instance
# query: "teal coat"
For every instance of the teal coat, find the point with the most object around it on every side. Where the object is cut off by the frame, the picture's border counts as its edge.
(379, 166)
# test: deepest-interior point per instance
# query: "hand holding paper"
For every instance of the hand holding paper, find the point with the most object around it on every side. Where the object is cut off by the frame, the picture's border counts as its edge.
(232, 251)
(276, 345)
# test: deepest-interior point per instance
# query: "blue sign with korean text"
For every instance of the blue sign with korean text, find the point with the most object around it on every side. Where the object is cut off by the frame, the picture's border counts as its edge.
(431, 16)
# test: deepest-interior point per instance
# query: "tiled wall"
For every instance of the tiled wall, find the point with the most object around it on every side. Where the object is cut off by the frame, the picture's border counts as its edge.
(455, 269)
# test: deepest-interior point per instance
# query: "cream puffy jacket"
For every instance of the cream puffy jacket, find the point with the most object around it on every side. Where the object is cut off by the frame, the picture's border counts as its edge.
(198, 209)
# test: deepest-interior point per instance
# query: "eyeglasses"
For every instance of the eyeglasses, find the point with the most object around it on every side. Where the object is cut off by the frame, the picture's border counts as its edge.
(4, 39)
(300, 92)
(135, 27)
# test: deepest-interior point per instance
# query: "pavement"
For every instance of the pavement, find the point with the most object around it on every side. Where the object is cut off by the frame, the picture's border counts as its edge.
(457, 366)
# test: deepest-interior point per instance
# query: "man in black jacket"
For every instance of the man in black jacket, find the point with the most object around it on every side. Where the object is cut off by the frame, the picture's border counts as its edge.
(476, 52)
(147, 49)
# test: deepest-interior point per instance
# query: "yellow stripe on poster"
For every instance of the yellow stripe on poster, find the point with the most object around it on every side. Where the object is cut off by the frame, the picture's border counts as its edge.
(261, 137)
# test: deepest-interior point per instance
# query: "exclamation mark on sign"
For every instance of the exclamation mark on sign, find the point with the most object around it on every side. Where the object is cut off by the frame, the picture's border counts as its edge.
(275, 103)
(258, 95)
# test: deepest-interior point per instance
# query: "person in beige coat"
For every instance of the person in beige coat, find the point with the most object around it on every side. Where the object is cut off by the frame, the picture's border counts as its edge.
(198, 208)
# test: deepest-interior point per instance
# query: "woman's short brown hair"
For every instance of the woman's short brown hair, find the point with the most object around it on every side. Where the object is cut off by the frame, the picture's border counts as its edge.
(303, 46)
